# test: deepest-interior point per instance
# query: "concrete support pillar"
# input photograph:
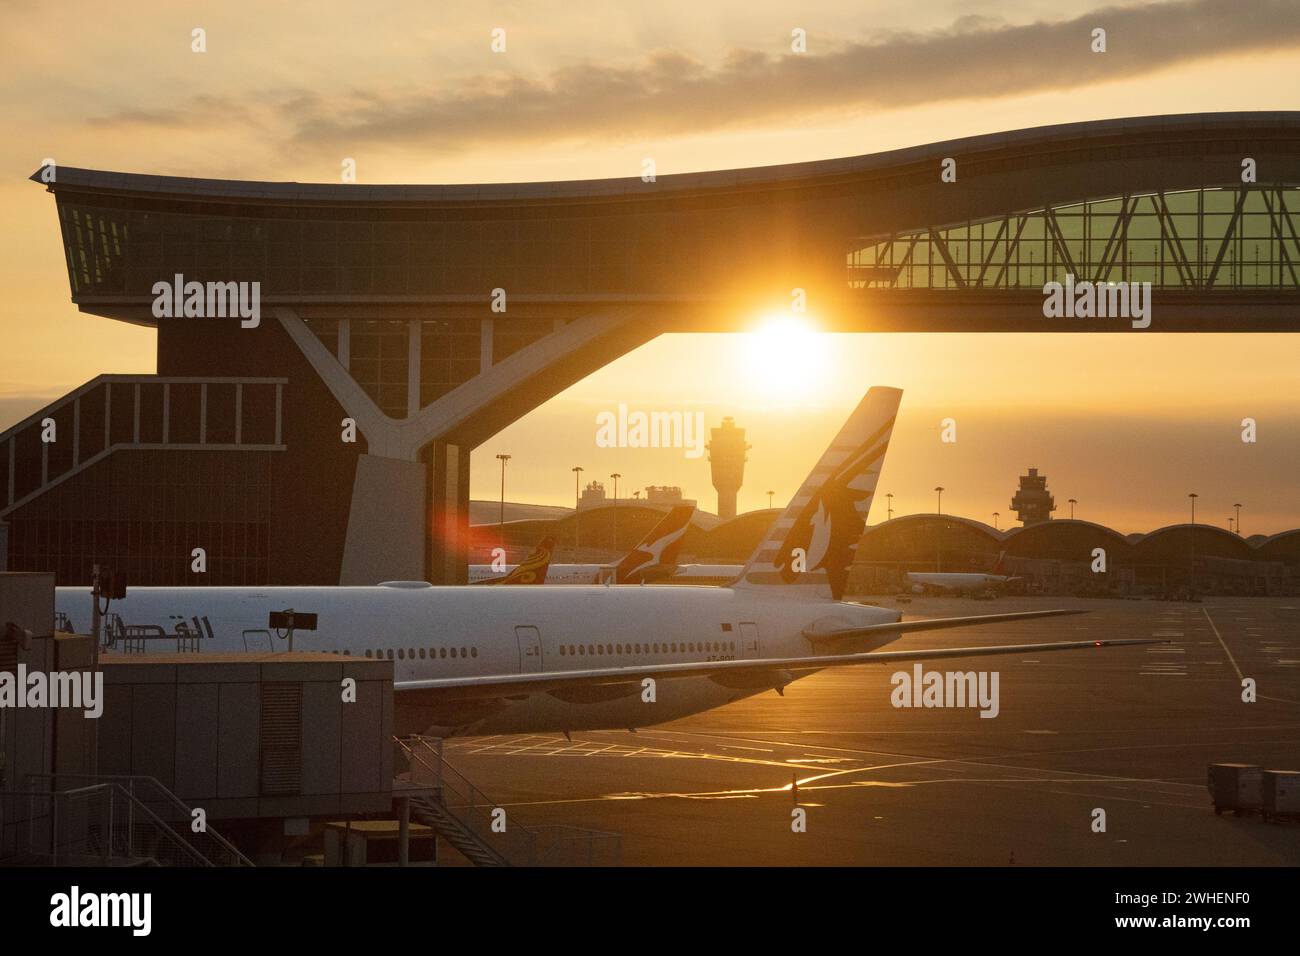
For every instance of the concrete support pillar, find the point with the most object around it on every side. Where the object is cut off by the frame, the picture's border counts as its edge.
(404, 832)
(447, 521)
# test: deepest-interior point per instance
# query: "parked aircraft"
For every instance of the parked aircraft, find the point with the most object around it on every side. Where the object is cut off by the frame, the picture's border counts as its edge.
(470, 660)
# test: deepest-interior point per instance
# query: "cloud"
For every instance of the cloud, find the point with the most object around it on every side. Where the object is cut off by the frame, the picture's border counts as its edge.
(201, 112)
(672, 93)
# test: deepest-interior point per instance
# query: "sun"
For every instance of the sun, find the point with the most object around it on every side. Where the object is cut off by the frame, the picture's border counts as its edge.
(786, 356)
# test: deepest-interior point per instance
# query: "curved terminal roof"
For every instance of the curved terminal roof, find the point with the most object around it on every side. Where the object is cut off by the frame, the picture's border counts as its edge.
(1026, 141)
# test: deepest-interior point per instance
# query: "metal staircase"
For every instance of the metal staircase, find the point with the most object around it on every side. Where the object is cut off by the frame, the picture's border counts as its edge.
(432, 813)
(118, 820)
(459, 812)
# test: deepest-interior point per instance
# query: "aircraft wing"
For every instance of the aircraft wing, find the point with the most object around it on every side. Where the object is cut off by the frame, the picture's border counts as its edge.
(774, 672)
(817, 635)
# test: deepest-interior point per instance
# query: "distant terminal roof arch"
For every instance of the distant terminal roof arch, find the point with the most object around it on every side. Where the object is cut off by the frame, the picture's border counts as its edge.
(1206, 537)
(931, 518)
(1027, 537)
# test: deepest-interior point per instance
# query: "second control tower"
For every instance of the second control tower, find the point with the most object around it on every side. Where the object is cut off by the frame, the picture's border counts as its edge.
(727, 456)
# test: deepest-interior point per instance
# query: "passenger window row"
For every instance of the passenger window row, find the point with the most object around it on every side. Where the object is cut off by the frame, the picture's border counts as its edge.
(423, 653)
(685, 647)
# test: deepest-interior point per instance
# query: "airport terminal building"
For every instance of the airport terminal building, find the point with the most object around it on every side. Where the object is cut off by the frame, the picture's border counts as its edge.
(322, 435)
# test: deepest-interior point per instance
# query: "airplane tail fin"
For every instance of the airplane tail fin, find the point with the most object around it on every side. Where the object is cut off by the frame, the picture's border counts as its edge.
(656, 553)
(813, 542)
(998, 566)
(532, 569)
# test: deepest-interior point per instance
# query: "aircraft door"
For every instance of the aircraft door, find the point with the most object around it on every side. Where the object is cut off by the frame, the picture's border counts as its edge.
(530, 649)
(258, 640)
(749, 648)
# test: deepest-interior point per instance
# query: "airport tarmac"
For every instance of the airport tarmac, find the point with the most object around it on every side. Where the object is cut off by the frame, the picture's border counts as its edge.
(1129, 730)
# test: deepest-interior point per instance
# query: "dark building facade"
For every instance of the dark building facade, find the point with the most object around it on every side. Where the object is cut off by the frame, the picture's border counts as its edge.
(401, 326)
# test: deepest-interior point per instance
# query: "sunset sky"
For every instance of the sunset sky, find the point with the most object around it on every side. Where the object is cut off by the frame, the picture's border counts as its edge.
(1126, 423)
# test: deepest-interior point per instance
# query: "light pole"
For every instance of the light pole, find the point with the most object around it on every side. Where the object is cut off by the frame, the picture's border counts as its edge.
(1193, 495)
(1073, 502)
(889, 506)
(1238, 507)
(501, 515)
(769, 500)
(577, 500)
(938, 538)
(616, 476)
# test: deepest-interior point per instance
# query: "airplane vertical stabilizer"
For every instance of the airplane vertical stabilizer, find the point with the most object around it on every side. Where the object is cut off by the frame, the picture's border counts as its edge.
(813, 542)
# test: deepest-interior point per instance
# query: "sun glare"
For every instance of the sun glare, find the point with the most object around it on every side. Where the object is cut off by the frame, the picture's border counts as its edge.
(786, 356)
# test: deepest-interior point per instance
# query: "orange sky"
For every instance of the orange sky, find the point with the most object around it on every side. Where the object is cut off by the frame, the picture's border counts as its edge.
(1126, 423)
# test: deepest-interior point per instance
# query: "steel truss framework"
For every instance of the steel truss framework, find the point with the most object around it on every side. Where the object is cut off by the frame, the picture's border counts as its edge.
(1243, 237)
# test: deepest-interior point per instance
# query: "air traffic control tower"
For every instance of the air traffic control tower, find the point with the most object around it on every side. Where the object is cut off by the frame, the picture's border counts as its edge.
(403, 326)
(727, 456)
(1033, 503)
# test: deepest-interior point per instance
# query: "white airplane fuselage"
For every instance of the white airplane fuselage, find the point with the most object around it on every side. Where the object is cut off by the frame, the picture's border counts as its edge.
(555, 573)
(449, 632)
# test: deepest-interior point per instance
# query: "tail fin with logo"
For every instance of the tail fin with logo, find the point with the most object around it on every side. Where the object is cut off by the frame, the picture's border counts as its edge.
(532, 569)
(813, 542)
(655, 555)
